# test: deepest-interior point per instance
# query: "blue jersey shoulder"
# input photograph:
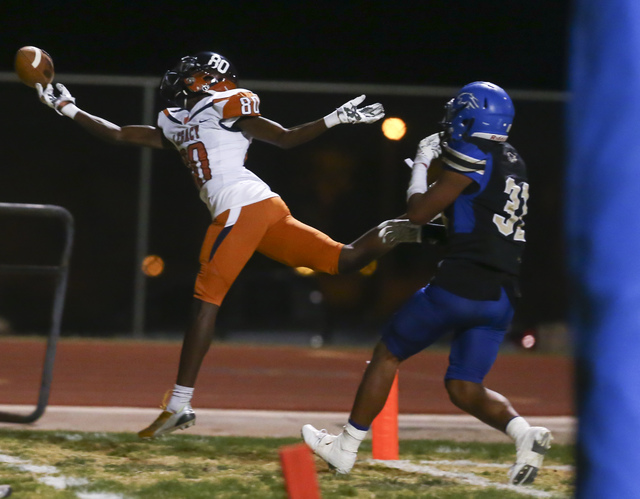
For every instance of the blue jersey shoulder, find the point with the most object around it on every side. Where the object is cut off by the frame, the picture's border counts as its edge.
(465, 158)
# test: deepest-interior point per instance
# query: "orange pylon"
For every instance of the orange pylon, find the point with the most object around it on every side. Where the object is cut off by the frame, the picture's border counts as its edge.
(384, 430)
(299, 471)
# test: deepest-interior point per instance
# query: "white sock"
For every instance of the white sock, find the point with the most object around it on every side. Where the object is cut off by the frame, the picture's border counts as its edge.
(352, 437)
(517, 427)
(180, 397)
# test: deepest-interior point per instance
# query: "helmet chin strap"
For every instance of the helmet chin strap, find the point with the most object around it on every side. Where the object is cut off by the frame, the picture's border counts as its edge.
(214, 86)
(183, 99)
(186, 95)
(222, 85)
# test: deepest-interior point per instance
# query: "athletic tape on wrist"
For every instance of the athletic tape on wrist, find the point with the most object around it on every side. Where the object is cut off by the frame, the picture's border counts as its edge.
(424, 159)
(70, 110)
(332, 119)
(418, 182)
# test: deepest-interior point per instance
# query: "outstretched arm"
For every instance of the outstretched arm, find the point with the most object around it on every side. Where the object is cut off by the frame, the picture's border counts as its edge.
(64, 104)
(269, 131)
(424, 207)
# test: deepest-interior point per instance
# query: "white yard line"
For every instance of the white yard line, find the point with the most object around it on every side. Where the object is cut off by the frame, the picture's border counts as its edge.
(98, 495)
(468, 478)
(50, 475)
(466, 462)
(251, 423)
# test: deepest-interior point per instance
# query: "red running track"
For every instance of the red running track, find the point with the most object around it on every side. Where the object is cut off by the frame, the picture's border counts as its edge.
(241, 376)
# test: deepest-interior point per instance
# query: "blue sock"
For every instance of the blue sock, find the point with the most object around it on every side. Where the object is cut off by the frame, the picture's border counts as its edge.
(358, 426)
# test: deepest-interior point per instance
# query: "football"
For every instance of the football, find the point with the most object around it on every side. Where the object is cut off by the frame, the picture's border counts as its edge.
(34, 65)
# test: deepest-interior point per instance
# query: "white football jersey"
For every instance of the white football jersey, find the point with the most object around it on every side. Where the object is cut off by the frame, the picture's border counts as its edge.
(214, 151)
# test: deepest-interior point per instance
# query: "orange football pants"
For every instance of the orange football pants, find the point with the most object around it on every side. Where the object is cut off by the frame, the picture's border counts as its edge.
(267, 227)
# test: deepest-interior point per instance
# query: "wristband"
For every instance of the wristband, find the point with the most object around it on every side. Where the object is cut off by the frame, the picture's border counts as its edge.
(331, 119)
(418, 182)
(70, 110)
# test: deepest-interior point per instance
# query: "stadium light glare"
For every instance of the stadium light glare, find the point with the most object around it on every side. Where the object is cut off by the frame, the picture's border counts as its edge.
(394, 128)
(152, 266)
(528, 341)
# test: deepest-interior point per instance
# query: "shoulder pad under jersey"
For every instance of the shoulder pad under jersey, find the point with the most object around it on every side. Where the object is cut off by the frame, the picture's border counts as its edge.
(237, 103)
(170, 114)
(463, 156)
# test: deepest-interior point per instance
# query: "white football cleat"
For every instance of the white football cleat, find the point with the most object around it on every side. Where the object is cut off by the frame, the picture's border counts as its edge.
(530, 451)
(168, 422)
(329, 448)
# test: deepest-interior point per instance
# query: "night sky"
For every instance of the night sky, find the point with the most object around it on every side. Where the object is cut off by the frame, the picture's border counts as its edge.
(513, 43)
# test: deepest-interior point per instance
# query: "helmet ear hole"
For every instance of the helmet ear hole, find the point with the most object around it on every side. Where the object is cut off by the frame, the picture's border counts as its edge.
(468, 125)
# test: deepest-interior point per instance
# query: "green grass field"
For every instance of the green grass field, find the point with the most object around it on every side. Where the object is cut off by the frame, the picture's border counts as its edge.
(54, 464)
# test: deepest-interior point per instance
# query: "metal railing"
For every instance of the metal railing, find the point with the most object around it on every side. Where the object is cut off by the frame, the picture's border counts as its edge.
(60, 274)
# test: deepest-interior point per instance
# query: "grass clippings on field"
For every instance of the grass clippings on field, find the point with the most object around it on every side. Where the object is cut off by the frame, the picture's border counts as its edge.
(54, 464)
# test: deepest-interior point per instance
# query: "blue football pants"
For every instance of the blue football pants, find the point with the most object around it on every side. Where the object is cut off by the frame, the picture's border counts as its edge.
(478, 328)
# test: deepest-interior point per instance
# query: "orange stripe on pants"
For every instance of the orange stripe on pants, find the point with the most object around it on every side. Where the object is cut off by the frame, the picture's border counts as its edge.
(268, 227)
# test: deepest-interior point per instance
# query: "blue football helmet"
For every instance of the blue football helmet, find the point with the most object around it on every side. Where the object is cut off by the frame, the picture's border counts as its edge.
(480, 109)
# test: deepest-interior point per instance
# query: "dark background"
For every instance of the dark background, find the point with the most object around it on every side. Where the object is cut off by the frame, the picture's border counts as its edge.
(515, 44)
(343, 183)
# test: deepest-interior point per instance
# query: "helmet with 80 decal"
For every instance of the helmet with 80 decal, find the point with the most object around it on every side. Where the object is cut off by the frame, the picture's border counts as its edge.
(197, 74)
(480, 109)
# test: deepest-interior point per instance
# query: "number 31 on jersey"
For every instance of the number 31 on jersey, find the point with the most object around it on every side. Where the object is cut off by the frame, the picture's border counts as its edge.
(513, 222)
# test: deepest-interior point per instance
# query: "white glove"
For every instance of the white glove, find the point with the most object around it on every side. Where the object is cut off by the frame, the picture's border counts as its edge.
(399, 230)
(350, 113)
(63, 104)
(429, 149)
